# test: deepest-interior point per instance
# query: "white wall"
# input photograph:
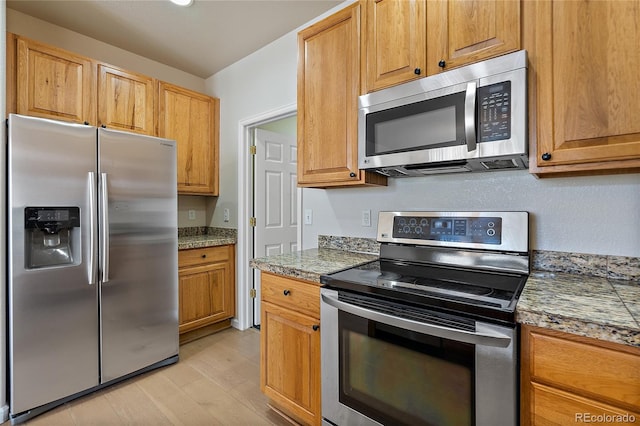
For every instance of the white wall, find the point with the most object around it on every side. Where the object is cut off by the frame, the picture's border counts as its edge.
(596, 215)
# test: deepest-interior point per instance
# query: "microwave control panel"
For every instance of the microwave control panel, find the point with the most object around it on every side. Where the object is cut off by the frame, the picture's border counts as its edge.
(494, 109)
(485, 230)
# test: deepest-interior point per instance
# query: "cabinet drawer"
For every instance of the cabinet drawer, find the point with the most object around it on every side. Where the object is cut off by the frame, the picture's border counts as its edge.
(555, 407)
(291, 294)
(203, 255)
(586, 369)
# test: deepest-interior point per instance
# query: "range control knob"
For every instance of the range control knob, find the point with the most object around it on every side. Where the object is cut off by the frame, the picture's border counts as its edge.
(491, 232)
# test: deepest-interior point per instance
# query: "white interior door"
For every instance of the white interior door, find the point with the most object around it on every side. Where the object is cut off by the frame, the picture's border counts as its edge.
(276, 198)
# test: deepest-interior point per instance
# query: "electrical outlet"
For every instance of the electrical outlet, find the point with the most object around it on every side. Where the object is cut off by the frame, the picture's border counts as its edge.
(226, 215)
(308, 216)
(366, 218)
(192, 215)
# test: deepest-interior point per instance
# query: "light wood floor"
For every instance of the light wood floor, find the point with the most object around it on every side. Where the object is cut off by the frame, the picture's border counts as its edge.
(216, 382)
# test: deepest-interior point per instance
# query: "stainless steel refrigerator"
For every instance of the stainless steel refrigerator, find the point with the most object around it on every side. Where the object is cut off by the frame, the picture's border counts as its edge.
(93, 270)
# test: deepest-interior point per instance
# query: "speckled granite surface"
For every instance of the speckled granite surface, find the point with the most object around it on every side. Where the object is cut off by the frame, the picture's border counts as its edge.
(589, 295)
(311, 263)
(355, 244)
(614, 267)
(588, 306)
(199, 237)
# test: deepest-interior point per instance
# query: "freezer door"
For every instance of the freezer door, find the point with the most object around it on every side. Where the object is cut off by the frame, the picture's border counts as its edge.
(52, 295)
(139, 250)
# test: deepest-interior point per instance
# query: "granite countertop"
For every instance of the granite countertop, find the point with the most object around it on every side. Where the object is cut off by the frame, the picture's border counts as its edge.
(200, 237)
(311, 263)
(603, 306)
(596, 307)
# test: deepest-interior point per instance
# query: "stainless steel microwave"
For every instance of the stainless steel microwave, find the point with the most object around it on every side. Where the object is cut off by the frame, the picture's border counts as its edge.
(469, 119)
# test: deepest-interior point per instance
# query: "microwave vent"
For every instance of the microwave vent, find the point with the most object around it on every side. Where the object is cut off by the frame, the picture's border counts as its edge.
(392, 172)
(500, 164)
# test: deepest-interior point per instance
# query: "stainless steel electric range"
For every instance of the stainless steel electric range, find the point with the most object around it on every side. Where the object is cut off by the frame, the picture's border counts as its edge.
(426, 334)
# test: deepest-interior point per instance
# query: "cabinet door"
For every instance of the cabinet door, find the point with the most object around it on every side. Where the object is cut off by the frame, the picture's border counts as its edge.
(191, 119)
(462, 32)
(395, 42)
(53, 83)
(328, 89)
(126, 100)
(290, 366)
(206, 295)
(584, 85)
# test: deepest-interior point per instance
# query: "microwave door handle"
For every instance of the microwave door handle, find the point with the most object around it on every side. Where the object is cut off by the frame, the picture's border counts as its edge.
(470, 116)
(475, 338)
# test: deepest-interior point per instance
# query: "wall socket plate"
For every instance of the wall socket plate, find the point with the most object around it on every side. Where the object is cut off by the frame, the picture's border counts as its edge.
(366, 218)
(192, 215)
(226, 215)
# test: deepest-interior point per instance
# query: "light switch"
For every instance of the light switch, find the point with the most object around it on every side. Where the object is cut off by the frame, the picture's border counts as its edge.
(308, 216)
(192, 215)
(226, 215)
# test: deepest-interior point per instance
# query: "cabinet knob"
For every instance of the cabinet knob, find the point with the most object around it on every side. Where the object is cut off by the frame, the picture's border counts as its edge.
(352, 175)
(442, 63)
(204, 255)
(417, 71)
(316, 327)
(546, 156)
(86, 123)
(103, 126)
(286, 292)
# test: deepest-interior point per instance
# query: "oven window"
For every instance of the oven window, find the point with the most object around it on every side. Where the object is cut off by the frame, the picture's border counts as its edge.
(396, 376)
(431, 123)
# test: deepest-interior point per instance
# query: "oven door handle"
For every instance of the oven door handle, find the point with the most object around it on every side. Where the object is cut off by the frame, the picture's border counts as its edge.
(475, 338)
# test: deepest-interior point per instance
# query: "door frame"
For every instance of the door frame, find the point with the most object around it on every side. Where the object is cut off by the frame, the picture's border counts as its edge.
(244, 248)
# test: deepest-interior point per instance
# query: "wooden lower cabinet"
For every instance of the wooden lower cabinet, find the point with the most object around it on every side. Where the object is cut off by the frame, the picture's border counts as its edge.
(290, 347)
(567, 379)
(206, 289)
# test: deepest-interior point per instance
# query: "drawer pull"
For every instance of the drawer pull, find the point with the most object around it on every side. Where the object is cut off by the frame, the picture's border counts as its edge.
(316, 327)
(286, 292)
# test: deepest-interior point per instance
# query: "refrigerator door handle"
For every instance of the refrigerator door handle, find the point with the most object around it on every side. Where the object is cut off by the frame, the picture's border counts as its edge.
(105, 227)
(93, 264)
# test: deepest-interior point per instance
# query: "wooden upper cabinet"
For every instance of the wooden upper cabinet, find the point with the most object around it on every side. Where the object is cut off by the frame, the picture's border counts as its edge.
(328, 89)
(395, 42)
(53, 83)
(126, 100)
(583, 86)
(192, 119)
(463, 32)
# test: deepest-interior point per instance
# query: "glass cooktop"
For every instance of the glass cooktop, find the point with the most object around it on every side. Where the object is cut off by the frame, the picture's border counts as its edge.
(466, 291)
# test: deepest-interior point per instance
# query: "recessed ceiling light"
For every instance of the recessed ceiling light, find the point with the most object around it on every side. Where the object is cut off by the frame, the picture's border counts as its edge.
(182, 2)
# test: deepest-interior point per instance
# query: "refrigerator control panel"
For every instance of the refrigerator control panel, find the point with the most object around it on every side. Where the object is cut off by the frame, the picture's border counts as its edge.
(51, 219)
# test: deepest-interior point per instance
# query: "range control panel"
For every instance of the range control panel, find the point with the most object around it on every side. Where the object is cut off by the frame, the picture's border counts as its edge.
(484, 230)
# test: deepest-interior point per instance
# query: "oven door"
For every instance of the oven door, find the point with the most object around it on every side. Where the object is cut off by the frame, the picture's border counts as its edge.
(432, 369)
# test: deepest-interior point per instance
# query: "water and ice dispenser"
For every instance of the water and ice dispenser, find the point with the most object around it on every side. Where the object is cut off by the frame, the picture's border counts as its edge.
(52, 236)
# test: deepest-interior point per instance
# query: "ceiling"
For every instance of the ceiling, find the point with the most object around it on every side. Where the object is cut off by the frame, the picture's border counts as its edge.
(201, 39)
